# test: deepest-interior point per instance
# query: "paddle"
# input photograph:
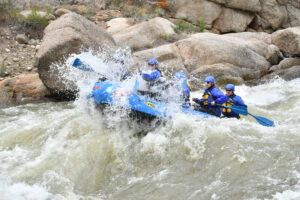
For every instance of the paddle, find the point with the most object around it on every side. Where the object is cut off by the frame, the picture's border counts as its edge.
(243, 111)
(263, 121)
(136, 86)
(237, 109)
(82, 66)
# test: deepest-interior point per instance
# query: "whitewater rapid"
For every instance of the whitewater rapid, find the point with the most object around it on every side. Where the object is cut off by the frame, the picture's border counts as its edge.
(70, 150)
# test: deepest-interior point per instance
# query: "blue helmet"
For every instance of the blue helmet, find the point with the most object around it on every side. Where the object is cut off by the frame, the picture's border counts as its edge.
(210, 79)
(152, 61)
(229, 86)
(179, 75)
(120, 59)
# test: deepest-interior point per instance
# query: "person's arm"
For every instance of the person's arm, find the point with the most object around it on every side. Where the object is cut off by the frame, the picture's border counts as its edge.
(220, 97)
(152, 76)
(237, 100)
(198, 101)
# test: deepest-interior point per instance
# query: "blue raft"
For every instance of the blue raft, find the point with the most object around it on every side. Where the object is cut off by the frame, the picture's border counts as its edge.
(141, 106)
(105, 92)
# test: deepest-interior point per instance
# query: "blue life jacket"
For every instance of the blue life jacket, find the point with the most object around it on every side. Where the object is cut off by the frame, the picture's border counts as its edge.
(232, 100)
(212, 94)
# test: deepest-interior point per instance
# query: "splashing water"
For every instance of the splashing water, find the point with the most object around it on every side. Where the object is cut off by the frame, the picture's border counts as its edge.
(69, 150)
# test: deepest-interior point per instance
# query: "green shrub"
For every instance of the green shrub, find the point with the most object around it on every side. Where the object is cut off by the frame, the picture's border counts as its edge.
(140, 13)
(89, 13)
(182, 26)
(36, 21)
(200, 26)
(4, 10)
(114, 6)
(164, 36)
(34, 24)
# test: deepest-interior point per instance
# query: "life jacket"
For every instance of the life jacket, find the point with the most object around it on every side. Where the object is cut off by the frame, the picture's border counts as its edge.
(189, 85)
(185, 86)
(228, 103)
(206, 95)
(161, 72)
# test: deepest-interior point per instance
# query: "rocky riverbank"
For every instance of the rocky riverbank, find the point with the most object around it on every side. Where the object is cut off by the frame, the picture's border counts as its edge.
(169, 33)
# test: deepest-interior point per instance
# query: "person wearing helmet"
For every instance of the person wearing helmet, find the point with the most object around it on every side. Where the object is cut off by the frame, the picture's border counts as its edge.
(121, 61)
(185, 87)
(212, 97)
(155, 73)
(155, 77)
(232, 100)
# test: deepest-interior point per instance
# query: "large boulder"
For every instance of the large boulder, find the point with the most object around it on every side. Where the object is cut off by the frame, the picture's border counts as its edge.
(61, 11)
(195, 11)
(270, 14)
(118, 24)
(167, 55)
(247, 5)
(273, 14)
(233, 20)
(68, 34)
(96, 4)
(143, 35)
(202, 51)
(223, 72)
(286, 64)
(257, 41)
(286, 74)
(288, 40)
(288, 69)
(273, 54)
(293, 13)
(24, 86)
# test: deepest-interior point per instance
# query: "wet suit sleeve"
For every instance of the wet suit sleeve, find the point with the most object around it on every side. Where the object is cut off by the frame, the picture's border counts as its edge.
(237, 100)
(152, 76)
(220, 97)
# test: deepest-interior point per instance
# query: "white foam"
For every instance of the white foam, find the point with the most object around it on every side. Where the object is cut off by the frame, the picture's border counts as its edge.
(23, 191)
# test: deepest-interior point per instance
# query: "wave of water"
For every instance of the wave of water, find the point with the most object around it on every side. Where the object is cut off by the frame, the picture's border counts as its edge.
(69, 150)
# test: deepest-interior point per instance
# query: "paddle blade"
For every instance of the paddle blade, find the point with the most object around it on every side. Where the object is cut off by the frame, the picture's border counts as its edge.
(263, 121)
(82, 66)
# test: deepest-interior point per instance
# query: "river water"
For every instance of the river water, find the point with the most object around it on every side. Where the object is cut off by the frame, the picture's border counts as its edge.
(70, 150)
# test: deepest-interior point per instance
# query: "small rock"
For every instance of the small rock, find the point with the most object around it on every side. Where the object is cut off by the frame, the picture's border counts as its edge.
(22, 39)
(32, 46)
(15, 59)
(61, 11)
(7, 50)
(37, 47)
(29, 68)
